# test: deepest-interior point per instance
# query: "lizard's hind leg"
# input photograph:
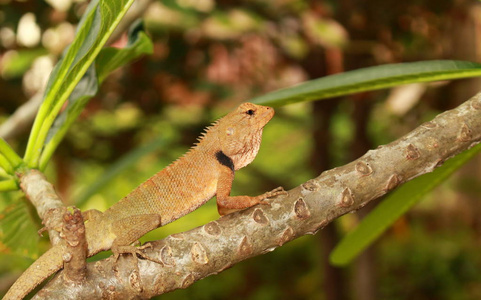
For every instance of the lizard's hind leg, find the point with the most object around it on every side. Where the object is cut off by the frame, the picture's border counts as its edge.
(128, 229)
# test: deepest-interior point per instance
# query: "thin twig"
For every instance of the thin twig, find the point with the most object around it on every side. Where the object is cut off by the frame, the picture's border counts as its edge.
(22, 118)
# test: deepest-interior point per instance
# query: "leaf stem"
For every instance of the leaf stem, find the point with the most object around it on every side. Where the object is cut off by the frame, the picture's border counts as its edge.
(9, 160)
(8, 185)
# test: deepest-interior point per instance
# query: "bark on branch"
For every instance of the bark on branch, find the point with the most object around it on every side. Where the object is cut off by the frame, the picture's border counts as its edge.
(46, 201)
(214, 247)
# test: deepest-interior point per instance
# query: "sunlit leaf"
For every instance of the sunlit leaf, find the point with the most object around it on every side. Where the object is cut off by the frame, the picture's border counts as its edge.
(96, 26)
(108, 60)
(394, 206)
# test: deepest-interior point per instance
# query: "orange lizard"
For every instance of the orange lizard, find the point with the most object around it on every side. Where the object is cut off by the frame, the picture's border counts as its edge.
(206, 170)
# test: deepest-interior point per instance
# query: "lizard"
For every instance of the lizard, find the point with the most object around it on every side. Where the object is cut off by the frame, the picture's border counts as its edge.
(206, 170)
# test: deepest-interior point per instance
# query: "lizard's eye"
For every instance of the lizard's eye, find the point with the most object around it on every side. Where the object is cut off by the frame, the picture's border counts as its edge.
(250, 112)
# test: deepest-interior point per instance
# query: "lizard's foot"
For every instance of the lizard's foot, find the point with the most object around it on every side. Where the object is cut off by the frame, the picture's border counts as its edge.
(275, 192)
(117, 250)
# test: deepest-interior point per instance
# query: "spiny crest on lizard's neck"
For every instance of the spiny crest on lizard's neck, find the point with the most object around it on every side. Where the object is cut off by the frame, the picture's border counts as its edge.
(238, 134)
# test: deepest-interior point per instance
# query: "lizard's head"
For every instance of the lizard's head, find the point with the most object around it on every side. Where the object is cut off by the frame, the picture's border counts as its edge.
(240, 132)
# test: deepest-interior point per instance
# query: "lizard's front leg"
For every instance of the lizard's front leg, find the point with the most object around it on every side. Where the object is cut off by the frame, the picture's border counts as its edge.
(227, 204)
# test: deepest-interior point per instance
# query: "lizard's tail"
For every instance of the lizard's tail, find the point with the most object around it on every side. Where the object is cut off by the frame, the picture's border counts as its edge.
(41, 269)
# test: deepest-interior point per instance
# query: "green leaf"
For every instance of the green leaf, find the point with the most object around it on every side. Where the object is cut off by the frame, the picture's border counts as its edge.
(394, 206)
(96, 26)
(108, 60)
(111, 58)
(369, 79)
(16, 223)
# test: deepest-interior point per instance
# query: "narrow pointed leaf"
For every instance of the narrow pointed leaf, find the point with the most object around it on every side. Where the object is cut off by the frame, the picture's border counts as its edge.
(369, 79)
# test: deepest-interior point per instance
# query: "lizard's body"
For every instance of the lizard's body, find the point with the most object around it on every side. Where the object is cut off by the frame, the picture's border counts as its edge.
(206, 170)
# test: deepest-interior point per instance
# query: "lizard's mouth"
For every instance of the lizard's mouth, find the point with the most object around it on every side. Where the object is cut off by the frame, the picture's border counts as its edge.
(267, 115)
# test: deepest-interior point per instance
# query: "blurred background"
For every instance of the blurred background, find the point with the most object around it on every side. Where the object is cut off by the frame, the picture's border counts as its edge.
(211, 55)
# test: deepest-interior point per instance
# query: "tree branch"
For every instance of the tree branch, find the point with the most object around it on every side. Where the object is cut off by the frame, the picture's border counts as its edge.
(214, 247)
(46, 201)
(63, 223)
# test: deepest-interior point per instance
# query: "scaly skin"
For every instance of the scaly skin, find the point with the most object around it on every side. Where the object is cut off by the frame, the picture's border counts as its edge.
(206, 170)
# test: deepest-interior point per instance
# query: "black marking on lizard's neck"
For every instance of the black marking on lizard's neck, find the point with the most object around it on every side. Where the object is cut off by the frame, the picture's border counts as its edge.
(224, 160)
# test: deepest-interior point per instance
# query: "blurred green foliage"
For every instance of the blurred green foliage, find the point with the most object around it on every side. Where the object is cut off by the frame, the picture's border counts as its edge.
(208, 56)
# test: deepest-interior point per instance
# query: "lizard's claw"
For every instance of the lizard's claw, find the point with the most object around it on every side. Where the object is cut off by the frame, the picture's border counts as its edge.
(275, 192)
(41, 231)
(145, 246)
